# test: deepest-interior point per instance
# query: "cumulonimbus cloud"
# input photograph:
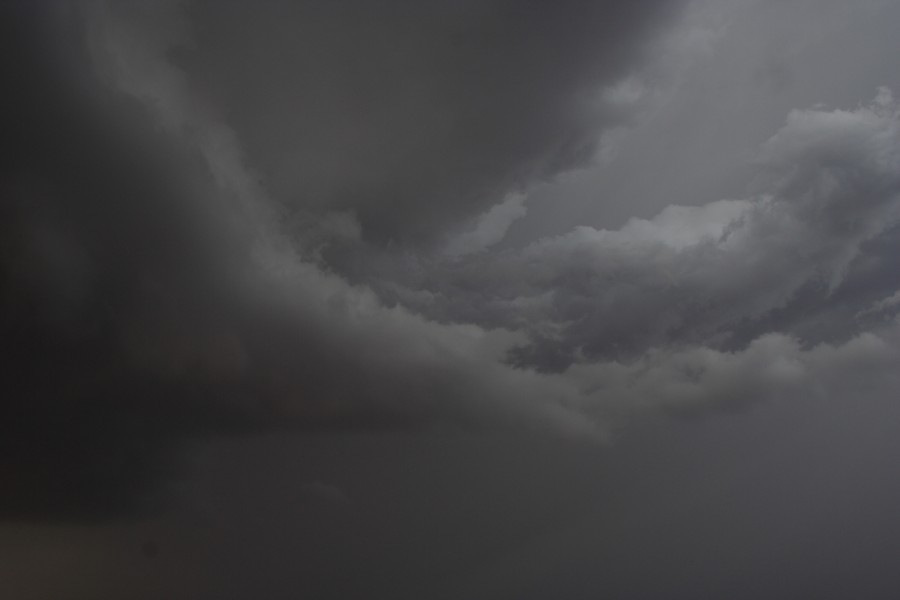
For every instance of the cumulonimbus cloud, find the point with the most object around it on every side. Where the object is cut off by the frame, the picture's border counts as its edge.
(660, 292)
(185, 297)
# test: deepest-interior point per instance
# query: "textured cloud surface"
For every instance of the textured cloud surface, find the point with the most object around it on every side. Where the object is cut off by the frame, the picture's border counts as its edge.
(304, 228)
(414, 114)
(692, 274)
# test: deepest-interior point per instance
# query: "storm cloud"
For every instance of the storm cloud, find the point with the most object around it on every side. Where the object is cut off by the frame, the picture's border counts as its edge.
(152, 287)
(226, 217)
(693, 274)
(414, 115)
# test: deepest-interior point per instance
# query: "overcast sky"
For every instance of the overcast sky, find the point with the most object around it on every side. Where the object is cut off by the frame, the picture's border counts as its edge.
(469, 299)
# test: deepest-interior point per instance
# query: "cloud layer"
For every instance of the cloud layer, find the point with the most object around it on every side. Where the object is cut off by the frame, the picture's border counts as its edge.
(692, 274)
(204, 246)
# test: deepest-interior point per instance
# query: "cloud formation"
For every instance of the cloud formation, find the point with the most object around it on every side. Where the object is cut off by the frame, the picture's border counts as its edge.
(415, 116)
(170, 292)
(691, 275)
(203, 248)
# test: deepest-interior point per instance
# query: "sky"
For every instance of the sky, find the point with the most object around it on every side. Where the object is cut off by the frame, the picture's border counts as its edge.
(449, 299)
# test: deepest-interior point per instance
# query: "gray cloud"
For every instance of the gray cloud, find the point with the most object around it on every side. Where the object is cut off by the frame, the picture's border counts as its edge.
(148, 268)
(414, 115)
(693, 274)
(217, 261)
(488, 229)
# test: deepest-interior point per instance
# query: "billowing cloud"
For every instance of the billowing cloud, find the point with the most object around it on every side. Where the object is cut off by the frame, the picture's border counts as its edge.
(692, 274)
(415, 116)
(206, 249)
(156, 285)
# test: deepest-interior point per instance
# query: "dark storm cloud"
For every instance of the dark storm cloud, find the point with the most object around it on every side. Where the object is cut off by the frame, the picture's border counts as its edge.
(139, 250)
(161, 284)
(111, 339)
(693, 275)
(195, 193)
(414, 115)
